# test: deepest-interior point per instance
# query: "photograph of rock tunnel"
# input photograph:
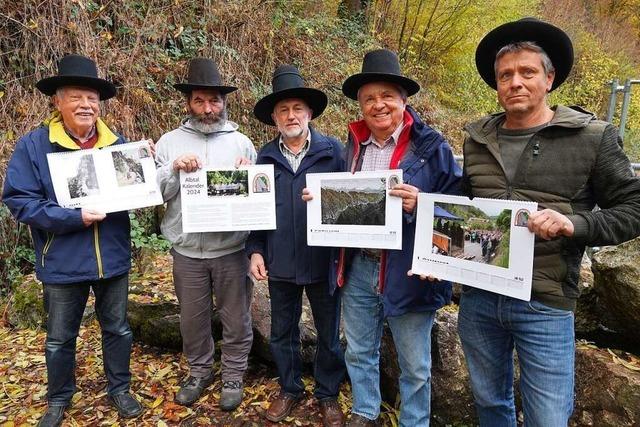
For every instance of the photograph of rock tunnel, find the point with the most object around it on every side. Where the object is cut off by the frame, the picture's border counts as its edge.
(471, 233)
(227, 183)
(358, 201)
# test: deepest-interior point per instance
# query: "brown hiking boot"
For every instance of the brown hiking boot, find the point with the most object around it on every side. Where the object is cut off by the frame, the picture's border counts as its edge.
(332, 415)
(281, 407)
(360, 421)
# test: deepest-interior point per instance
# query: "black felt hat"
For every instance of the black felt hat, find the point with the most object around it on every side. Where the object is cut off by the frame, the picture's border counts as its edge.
(555, 42)
(288, 83)
(77, 70)
(380, 65)
(203, 74)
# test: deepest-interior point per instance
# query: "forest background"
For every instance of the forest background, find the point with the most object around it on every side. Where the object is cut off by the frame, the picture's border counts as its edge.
(144, 46)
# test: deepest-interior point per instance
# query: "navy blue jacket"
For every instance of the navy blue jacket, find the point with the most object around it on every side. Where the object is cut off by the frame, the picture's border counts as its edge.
(285, 251)
(428, 165)
(66, 250)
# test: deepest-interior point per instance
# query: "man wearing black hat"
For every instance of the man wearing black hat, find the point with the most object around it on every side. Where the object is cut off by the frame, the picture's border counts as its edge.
(569, 162)
(206, 263)
(282, 255)
(76, 249)
(374, 283)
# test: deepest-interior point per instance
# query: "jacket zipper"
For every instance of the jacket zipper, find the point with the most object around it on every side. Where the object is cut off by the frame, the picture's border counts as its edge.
(47, 245)
(96, 241)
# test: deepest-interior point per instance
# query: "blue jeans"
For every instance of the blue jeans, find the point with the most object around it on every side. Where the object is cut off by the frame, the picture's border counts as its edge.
(490, 325)
(363, 322)
(65, 305)
(328, 364)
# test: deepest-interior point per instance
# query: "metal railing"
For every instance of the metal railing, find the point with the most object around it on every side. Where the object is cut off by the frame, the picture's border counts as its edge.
(626, 99)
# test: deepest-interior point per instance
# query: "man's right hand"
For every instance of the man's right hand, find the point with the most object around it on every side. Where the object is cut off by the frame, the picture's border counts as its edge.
(90, 216)
(187, 163)
(257, 267)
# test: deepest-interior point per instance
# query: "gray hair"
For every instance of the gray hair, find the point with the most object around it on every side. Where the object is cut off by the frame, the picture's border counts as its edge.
(547, 65)
(403, 92)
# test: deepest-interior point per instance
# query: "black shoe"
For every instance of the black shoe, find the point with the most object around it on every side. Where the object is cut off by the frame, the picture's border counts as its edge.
(127, 405)
(231, 396)
(192, 388)
(53, 417)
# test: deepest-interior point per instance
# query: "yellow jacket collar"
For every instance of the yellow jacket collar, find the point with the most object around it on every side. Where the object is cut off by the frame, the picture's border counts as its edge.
(57, 134)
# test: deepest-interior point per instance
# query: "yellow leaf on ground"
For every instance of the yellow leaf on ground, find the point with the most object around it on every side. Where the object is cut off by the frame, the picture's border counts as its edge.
(157, 402)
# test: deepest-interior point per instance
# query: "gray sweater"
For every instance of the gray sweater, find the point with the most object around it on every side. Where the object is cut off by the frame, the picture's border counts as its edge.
(217, 149)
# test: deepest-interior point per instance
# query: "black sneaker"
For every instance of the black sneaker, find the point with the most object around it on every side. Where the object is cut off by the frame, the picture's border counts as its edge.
(231, 396)
(127, 405)
(192, 388)
(53, 417)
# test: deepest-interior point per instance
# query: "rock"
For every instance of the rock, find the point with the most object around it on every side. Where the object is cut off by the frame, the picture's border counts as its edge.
(607, 391)
(25, 308)
(158, 323)
(617, 286)
(451, 396)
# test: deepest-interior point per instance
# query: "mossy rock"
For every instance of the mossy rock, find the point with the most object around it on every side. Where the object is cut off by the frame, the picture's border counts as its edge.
(26, 307)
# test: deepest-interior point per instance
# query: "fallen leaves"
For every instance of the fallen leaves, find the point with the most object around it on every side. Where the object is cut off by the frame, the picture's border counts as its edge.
(155, 381)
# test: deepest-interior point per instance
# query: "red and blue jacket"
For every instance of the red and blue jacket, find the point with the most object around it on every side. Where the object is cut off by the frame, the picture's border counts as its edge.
(427, 162)
(66, 250)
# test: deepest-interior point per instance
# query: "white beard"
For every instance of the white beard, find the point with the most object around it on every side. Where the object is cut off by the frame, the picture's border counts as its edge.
(219, 122)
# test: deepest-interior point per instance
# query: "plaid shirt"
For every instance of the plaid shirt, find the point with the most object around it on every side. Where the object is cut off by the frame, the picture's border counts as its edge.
(378, 156)
(294, 159)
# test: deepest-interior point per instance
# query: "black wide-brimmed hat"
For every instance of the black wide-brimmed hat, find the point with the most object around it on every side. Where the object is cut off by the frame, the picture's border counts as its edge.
(288, 83)
(203, 74)
(555, 42)
(380, 65)
(77, 70)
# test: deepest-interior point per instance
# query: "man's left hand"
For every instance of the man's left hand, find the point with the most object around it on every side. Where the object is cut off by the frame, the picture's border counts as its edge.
(549, 224)
(242, 161)
(409, 195)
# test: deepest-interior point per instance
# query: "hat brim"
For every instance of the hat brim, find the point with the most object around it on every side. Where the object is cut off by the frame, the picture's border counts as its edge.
(49, 85)
(315, 99)
(353, 83)
(188, 88)
(555, 42)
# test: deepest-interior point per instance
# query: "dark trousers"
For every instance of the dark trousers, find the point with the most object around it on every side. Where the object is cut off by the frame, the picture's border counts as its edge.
(65, 305)
(286, 309)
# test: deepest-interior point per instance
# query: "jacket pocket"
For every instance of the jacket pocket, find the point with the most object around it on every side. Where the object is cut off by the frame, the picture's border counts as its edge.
(47, 247)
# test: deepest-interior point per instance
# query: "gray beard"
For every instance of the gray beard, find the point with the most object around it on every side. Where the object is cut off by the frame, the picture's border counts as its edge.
(205, 127)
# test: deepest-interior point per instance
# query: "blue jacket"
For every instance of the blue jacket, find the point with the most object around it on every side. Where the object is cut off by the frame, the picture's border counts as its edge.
(428, 165)
(66, 250)
(286, 254)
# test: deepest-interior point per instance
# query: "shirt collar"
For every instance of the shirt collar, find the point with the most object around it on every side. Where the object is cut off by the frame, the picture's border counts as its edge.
(283, 146)
(77, 139)
(393, 139)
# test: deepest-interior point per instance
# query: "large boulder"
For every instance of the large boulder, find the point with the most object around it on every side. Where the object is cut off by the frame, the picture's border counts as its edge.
(607, 388)
(617, 287)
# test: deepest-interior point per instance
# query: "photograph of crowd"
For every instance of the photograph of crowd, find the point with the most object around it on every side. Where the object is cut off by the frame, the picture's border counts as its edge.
(472, 234)
(128, 167)
(359, 201)
(85, 180)
(228, 183)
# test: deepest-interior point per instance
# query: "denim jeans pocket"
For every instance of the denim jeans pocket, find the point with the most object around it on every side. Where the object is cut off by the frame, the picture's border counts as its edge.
(538, 307)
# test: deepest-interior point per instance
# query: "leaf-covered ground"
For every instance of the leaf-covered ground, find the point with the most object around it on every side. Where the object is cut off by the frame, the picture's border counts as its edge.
(156, 376)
